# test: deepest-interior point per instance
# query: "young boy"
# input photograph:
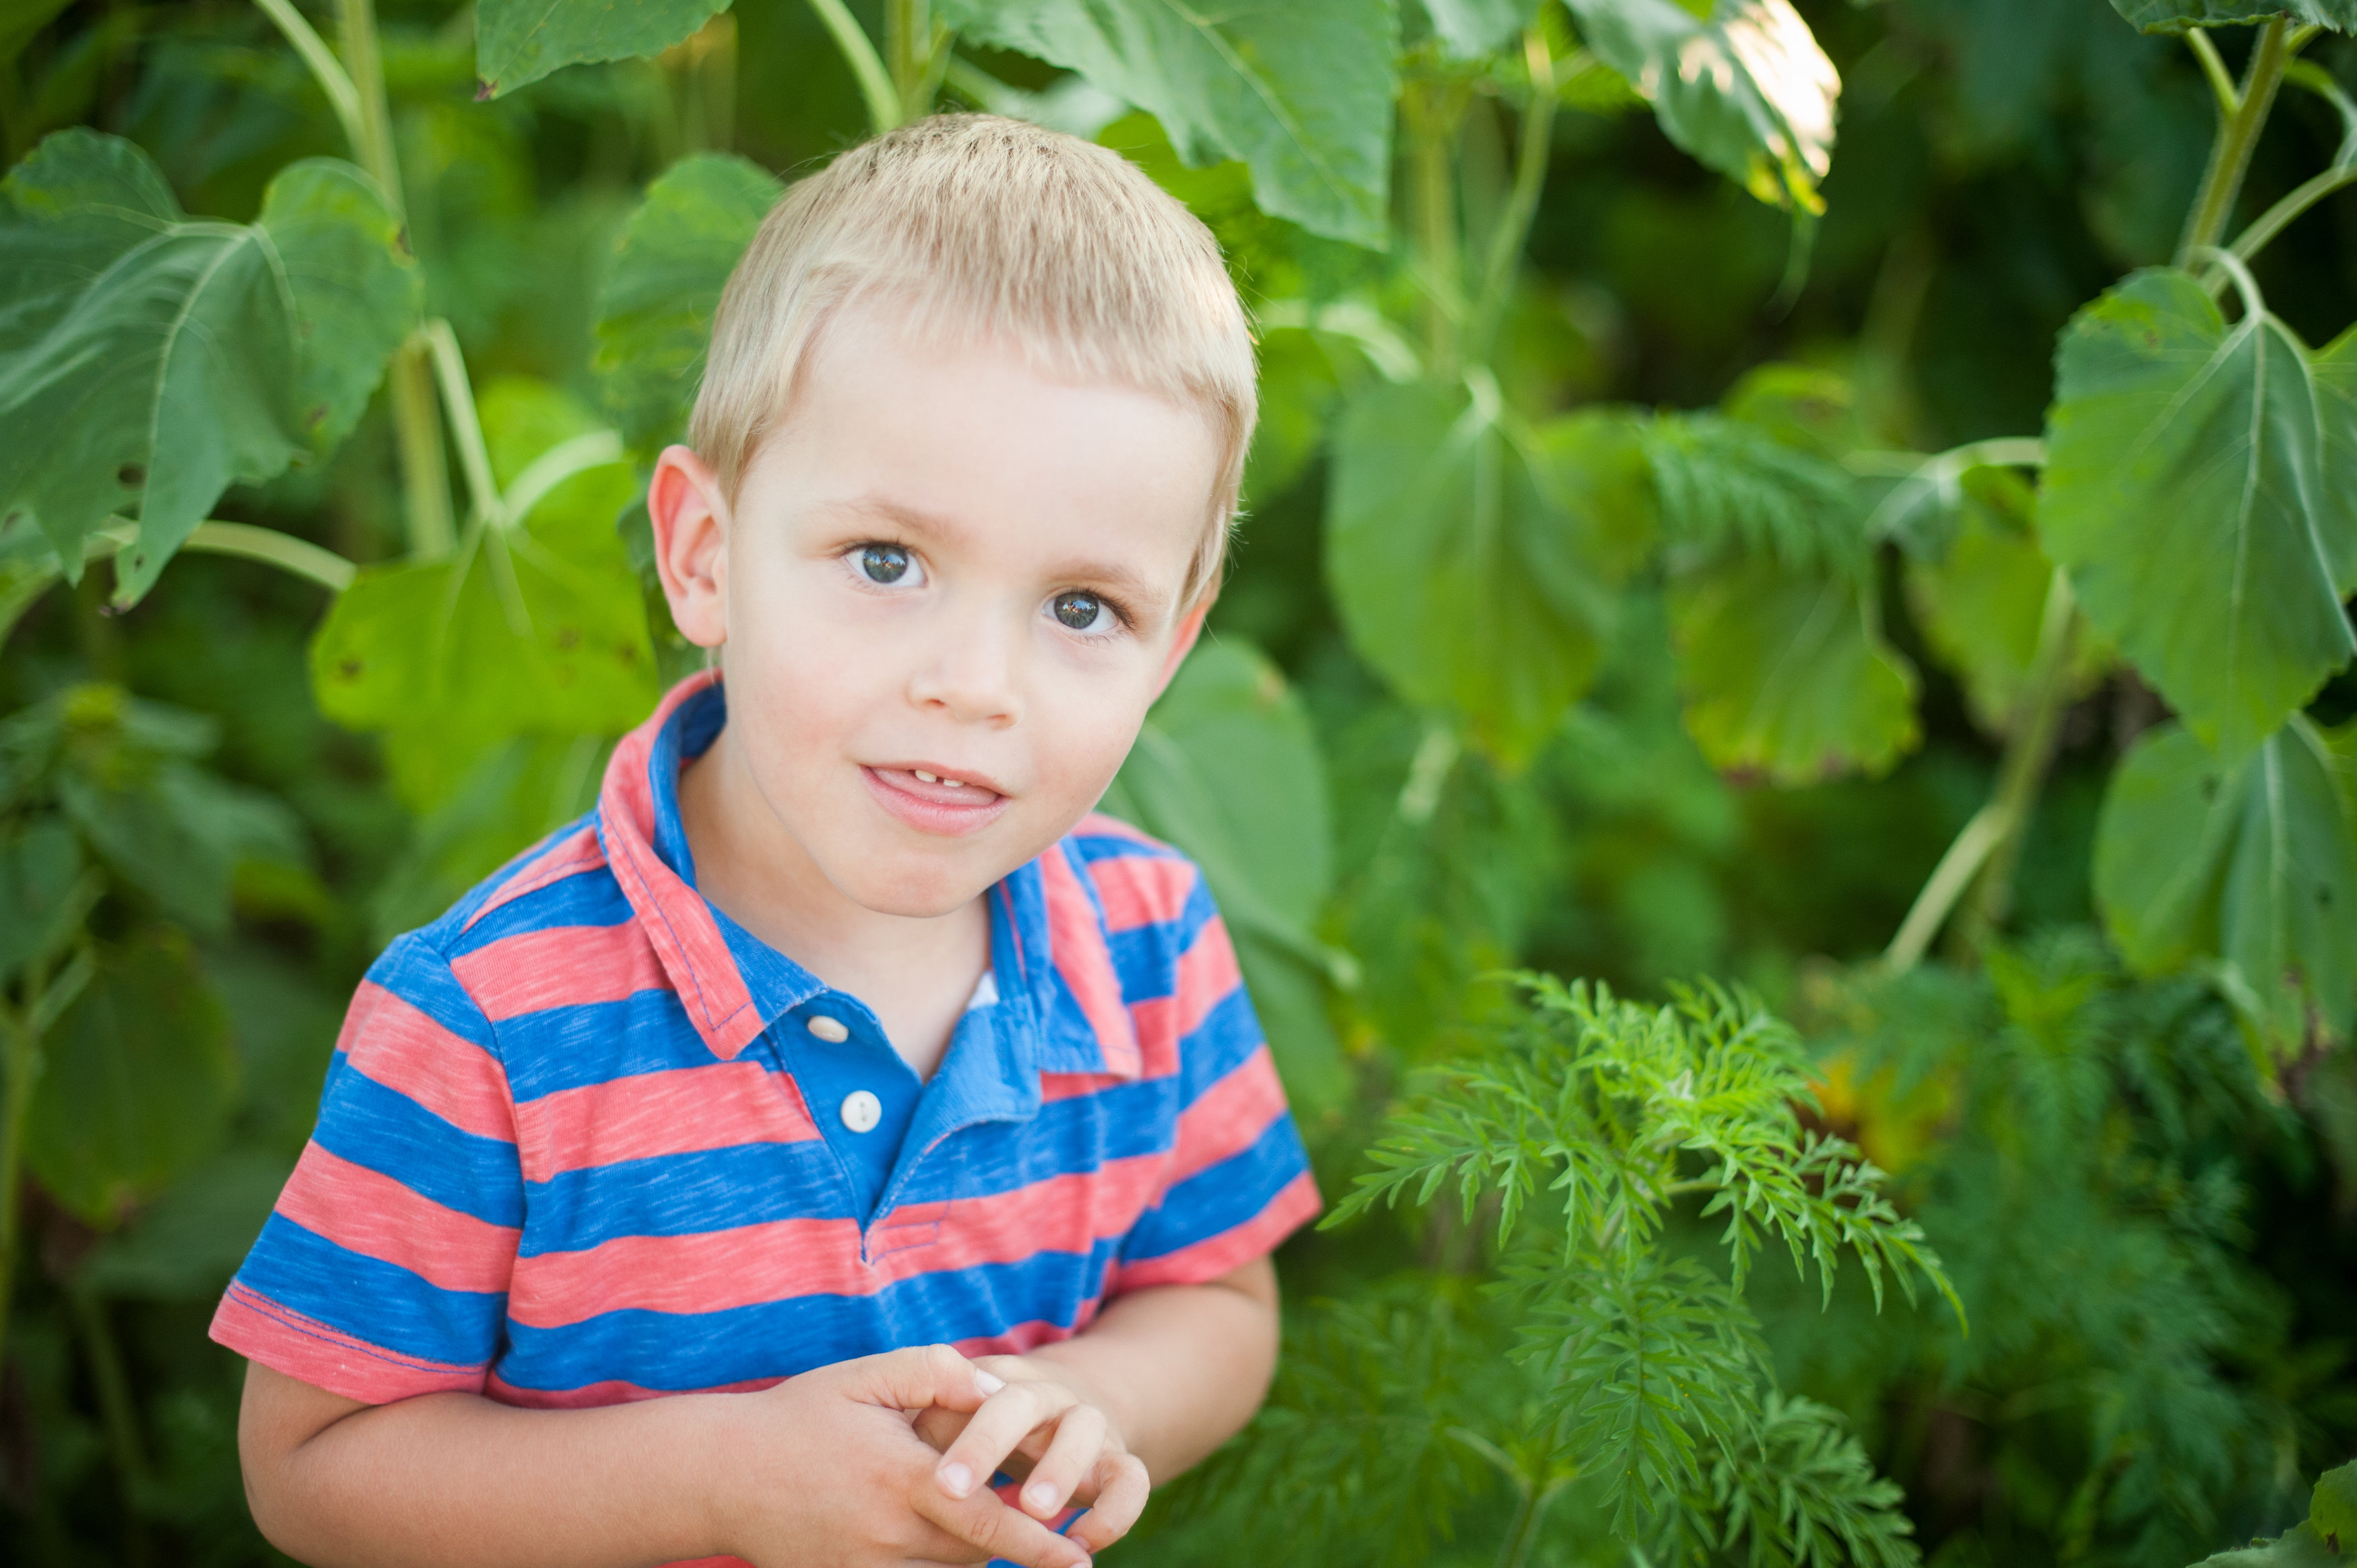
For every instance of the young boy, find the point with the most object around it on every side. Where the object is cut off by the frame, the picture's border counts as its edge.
(841, 1079)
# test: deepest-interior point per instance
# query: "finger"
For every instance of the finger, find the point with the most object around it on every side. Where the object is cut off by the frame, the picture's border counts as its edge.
(915, 1378)
(994, 1529)
(1079, 1443)
(939, 1427)
(1004, 1421)
(1122, 1485)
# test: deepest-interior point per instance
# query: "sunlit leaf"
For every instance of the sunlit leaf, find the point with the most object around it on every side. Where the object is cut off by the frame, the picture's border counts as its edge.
(519, 41)
(137, 1084)
(655, 317)
(2175, 15)
(1785, 673)
(2182, 492)
(1745, 90)
(1468, 30)
(1300, 91)
(149, 360)
(2255, 864)
(1458, 568)
(1227, 769)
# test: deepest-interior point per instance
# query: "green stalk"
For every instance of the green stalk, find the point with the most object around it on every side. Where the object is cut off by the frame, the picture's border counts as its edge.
(458, 393)
(1513, 228)
(418, 430)
(2238, 136)
(876, 85)
(2221, 84)
(2278, 218)
(1431, 110)
(342, 96)
(918, 49)
(2029, 753)
(296, 557)
(118, 1413)
(47, 996)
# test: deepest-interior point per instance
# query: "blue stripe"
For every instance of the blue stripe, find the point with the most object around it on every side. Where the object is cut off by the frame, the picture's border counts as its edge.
(572, 1047)
(1218, 1198)
(1113, 846)
(1215, 1048)
(379, 1303)
(781, 1338)
(1146, 956)
(413, 971)
(589, 898)
(455, 919)
(384, 1131)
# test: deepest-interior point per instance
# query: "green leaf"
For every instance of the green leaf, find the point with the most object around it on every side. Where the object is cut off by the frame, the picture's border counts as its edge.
(2254, 865)
(188, 1245)
(655, 319)
(534, 629)
(1456, 566)
(1785, 672)
(1300, 91)
(2182, 493)
(1227, 769)
(519, 41)
(1747, 90)
(2175, 15)
(151, 357)
(136, 1083)
(1729, 486)
(2333, 1507)
(2298, 1547)
(1982, 603)
(1469, 29)
(2335, 371)
(39, 866)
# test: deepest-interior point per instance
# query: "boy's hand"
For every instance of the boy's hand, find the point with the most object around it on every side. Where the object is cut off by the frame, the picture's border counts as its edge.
(827, 1469)
(1055, 1436)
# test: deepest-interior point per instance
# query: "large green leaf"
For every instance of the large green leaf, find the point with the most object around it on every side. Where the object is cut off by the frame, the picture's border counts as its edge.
(1227, 769)
(1745, 90)
(2254, 865)
(185, 1247)
(2174, 15)
(2183, 493)
(518, 41)
(1299, 91)
(2334, 368)
(152, 359)
(136, 1082)
(39, 866)
(1468, 30)
(655, 317)
(1785, 673)
(534, 628)
(1458, 568)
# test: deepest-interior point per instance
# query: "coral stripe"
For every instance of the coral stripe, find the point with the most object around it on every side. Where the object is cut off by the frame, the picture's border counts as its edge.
(678, 1111)
(560, 966)
(260, 1329)
(1142, 890)
(370, 1213)
(1077, 945)
(1096, 824)
(1024, 1337)
(714, 1271)
(1207, 973)
(1209, 1259)
(1227, 1118)
(589, 1396)
(397, 1044)
(575, 852)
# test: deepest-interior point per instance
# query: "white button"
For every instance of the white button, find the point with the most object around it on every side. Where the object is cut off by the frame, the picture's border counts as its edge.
(831, 1030)
(861, 1109)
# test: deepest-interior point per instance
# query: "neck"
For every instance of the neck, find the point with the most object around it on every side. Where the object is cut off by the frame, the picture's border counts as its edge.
(762, 877)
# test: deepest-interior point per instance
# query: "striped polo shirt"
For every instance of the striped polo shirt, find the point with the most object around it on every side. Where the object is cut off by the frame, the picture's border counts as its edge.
(585, 1140)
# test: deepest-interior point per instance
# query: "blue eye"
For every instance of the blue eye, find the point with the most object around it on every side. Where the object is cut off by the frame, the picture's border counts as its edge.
(1081, 611)
(884, 562)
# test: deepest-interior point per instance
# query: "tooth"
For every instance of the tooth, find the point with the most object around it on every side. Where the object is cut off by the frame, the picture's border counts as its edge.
(954, 783)
(925, 776)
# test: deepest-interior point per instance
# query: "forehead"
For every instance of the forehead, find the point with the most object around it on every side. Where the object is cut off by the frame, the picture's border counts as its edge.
(978, 443)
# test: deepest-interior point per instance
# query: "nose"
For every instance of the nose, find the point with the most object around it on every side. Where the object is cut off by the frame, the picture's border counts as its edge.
(970, 668)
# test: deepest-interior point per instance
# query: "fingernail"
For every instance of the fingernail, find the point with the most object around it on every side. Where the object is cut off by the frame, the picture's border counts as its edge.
(1043, 1497)
(956, 1480)
(986, 1382)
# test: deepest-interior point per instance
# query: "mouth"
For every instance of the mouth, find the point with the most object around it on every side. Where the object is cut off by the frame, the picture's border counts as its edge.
(935, 800)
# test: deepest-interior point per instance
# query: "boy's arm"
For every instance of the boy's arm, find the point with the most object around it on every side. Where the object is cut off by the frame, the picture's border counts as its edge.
(822, 1468)
(1166, 1373)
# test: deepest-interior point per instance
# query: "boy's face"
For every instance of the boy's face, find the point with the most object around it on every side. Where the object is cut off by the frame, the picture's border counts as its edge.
(942, 564)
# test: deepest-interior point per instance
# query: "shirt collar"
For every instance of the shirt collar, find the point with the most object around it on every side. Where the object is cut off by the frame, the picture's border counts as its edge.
(1050, 958)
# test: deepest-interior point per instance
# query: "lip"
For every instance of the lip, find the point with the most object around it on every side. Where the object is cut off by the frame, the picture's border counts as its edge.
(934, 808)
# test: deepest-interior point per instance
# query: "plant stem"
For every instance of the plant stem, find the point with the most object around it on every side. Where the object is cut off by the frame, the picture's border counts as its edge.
(917, 47)
(1948, 881)
(2029, 753)
(2278, 218)
(458, 395)
(1431, 110)
(342, 96)
(23, 1067)
(1530, 177)
(874, 82)
(117, 1412)
(2221, 84)
(2238, 136)
(298, 557)
(424, 476)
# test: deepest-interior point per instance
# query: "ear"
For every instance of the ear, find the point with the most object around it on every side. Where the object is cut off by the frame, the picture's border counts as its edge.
(691, 522)
(1183, 644)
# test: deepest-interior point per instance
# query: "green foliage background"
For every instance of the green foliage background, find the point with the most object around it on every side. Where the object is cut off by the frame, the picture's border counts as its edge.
(1792, 496)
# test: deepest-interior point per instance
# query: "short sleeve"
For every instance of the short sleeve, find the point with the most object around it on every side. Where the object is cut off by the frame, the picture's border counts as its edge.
(382, 1272)
(1237, 1179)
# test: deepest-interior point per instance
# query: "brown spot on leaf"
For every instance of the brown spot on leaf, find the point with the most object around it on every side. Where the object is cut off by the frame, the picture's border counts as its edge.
(131, 476)
(349, 669)
(568, 637)
(483, 89)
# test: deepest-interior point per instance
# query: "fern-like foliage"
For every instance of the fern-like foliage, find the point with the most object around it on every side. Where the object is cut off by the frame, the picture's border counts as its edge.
(1726, 486)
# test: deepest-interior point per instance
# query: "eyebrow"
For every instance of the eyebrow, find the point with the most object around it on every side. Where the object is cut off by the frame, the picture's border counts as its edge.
(1123, 581)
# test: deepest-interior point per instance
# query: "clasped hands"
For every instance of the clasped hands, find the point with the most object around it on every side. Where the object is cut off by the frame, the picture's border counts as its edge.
(894, 1455)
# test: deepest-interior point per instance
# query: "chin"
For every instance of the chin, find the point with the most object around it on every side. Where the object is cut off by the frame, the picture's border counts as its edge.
(921, 893)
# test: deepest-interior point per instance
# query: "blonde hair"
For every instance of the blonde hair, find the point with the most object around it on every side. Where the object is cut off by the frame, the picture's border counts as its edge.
(972, 227)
